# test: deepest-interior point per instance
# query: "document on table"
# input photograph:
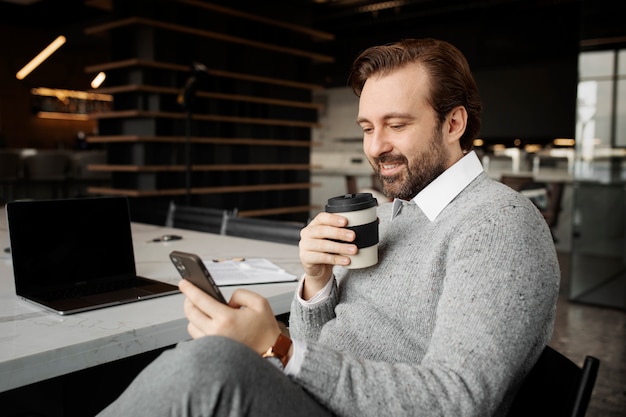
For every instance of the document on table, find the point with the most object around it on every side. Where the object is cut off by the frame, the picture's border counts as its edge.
(248, 271)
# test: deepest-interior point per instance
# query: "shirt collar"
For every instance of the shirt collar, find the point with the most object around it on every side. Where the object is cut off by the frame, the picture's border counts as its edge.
(439, 193)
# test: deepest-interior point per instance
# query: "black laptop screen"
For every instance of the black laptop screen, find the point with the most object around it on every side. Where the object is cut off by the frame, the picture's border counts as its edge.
(69, 241)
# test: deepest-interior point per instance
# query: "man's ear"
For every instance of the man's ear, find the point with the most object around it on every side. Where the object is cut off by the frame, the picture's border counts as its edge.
(455, 124)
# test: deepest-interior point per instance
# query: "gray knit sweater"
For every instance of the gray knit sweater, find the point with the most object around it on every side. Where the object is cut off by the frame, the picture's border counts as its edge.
(448, 322)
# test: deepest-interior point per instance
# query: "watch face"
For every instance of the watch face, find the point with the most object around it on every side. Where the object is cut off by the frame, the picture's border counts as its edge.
(275, 361)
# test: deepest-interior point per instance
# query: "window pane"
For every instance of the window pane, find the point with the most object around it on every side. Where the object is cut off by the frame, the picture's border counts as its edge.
(621, 69)
(596, 64)
(594, 113)
(620, 119)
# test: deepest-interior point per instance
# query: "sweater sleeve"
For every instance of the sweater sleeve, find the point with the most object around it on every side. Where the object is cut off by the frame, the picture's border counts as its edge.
(306, 322)
(493, 316)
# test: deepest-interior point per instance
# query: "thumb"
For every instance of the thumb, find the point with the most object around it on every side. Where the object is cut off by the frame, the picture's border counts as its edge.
(245, 298)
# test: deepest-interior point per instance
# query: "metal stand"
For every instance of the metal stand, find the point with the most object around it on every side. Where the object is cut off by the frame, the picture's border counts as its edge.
(188, 159)
(185, 99)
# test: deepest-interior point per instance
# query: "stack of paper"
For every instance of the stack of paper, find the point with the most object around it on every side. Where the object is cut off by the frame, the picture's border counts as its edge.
(248, 271)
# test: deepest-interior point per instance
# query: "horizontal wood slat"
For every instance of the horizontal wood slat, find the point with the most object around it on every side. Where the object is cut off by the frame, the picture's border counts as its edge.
(132, 88)
(137, 62)
(180, 168)
(262, 100)
(200, 190)
(200, 140)
(274, 211)
(262, 79)
(124, 114)
(316, 34)
(207, 34)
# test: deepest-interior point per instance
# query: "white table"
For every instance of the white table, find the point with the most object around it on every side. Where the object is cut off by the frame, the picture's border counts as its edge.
(36, 345)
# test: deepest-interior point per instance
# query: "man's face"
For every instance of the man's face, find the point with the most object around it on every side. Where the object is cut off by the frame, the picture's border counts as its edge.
(401, 136)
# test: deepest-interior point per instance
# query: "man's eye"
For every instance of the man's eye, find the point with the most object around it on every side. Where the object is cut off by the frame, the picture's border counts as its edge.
(396, 127)
(367, 130)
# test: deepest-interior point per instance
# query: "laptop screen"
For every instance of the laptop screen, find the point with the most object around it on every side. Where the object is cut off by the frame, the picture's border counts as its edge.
(69, 242)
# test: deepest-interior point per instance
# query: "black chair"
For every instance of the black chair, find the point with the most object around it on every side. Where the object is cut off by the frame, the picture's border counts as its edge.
(546, 196)
(263, 229)
(551, 207)
(81, 174)
(9, 174)
(517, 182)
(48, 168)
(556, 387)
(206, 219)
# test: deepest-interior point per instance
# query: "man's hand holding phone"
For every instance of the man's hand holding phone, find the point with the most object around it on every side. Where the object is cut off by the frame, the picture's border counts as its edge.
(247, 317)
(192, 268)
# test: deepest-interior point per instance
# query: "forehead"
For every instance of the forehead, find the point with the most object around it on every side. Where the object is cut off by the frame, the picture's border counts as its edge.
(399, 90)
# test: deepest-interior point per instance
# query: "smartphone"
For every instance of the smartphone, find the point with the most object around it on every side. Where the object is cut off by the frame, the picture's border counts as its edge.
(191, 268)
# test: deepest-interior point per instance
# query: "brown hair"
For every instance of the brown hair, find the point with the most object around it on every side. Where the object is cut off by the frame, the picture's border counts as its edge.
(451, 80)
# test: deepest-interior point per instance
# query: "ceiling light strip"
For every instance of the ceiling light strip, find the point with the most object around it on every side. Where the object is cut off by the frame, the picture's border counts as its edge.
(42, 56)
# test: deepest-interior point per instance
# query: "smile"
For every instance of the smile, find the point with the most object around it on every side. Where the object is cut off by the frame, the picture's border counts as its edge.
(389, 169)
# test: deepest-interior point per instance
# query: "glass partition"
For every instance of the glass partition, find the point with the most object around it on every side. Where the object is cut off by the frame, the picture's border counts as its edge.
(598, 251)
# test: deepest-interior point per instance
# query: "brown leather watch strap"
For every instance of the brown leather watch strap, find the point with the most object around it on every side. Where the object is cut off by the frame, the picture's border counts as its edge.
(280, 349)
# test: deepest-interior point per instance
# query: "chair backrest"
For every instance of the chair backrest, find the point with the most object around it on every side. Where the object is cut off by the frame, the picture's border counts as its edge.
(556, 387)
(263, 229)
(9, 165)
(516, 182)
(47, 166)
(546, 196)
(81, 161)
(555, 197)
(205, 219)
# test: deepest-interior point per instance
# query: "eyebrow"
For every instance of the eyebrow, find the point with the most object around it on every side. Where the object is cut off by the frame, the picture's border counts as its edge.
(393, 115)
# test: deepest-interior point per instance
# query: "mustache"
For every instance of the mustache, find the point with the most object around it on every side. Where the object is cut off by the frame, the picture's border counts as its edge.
(390, 158)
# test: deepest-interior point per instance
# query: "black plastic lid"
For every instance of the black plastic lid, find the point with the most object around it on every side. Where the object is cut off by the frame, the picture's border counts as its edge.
(351, 202)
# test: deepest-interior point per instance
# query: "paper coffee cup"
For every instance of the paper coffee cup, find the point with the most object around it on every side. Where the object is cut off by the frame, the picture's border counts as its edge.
(360, 210)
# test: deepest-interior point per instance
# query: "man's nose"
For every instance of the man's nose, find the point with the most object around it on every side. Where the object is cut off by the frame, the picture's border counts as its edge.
(377, 144)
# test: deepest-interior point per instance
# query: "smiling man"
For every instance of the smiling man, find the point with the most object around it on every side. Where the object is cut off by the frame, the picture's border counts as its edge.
(449, 321)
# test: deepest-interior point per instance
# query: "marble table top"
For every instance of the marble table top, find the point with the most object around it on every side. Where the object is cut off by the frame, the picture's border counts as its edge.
(36, 344)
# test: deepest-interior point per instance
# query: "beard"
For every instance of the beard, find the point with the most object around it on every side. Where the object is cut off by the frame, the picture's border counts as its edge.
(420, 171)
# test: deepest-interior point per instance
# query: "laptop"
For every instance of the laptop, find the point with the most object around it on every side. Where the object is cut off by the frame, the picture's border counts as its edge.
(76, 254)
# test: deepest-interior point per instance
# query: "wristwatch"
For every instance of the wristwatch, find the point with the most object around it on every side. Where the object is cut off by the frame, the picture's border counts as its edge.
(278, 354)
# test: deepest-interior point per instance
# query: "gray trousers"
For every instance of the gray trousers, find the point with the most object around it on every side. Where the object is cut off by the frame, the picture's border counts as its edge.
(213, 376)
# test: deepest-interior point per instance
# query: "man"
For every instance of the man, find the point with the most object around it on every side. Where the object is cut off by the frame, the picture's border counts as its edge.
(448, 322)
